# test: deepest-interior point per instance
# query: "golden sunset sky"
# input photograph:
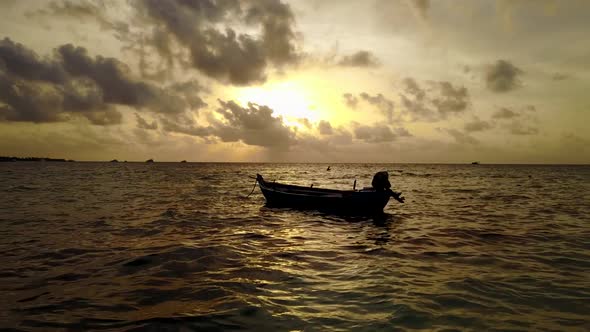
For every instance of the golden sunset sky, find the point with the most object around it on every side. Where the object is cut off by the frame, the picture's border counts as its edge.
(296, 81)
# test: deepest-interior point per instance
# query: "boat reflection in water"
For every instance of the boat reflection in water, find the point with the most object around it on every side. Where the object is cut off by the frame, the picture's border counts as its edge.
(369, 200)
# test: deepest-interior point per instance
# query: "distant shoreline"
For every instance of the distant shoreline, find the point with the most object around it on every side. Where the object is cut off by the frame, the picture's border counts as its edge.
(45, 159)
(11, 159)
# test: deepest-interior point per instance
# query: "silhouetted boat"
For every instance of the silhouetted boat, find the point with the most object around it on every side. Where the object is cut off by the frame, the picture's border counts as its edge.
(364, 201)
(475, 163)
(149, 161)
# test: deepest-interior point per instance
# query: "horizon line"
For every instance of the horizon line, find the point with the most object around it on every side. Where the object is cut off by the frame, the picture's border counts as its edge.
(290, 162)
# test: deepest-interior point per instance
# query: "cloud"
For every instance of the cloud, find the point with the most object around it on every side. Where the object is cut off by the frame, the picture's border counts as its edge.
(254, 125)
(417, 109)
(378, 133)
(18, 61)
(186, 127)
(461, 137)
(81, 10)
(359, 59)
(110, 75)
(422, 7)
(505, 113)
(305, 122)
(575, 142)
(189, 90)
(503, 76)
(143, 124)
(384, 105)
(325, 128)
(451, 100)
(477, 125)
(518, 122)
(412, 88)
(350, 100)
(22, 101)
(444, 100)
(560, 76)
(518, 128)
(215, 48)
(70, 82)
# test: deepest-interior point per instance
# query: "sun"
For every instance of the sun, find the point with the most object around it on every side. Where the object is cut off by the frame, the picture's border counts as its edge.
(287, 99)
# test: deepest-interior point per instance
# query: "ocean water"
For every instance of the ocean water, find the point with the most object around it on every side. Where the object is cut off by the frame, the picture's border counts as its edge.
(180, 247)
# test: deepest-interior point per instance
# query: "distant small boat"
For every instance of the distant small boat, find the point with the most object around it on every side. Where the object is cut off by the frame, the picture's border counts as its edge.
(184, 161)
(114, 161)
(475, 163)
(149, 161)
(364, 201)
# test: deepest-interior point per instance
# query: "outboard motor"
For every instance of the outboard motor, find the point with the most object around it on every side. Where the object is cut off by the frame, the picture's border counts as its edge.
(381, 181)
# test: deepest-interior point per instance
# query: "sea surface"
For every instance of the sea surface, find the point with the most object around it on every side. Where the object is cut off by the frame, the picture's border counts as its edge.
(181, 247)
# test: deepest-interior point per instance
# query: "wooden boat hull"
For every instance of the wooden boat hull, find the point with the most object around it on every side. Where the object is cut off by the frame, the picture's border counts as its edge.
(345, 201)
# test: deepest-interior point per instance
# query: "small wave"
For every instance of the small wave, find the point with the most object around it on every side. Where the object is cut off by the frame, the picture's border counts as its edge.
(462, 190)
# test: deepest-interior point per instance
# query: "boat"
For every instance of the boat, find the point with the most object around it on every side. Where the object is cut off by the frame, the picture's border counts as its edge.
(370, 200)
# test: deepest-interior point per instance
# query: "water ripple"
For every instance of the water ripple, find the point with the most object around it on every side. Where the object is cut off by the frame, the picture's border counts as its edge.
(91, 246)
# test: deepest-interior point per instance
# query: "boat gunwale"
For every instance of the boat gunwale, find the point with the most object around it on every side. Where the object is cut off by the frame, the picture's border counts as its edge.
(275, 186)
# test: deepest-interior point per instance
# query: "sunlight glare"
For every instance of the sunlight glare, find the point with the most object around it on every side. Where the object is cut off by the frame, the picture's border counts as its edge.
(287, 99)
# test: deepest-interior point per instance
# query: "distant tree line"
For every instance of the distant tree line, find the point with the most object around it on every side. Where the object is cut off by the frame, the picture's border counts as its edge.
(7, 159)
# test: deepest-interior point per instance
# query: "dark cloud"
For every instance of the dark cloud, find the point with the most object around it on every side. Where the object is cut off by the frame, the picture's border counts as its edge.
(384, 105)
(521, 129)
(461, 137)
(415, 102)
(82, 11)
(443, 100)
(278, 35)
(350, 100)
(104, 118)
(305, 122)
(477, 125)
(19, 61)
(143, 124)
(359, 59)
(422, 6)
(520, 122)
(186, 127)
(378, 133)
(503, 76)
(341, 136)
(560, 76)
(575, 142)
(22, 101)
(402, 132)
(72, 82)
(110, 75)
(325, 128)
(412, 88)
(451, 100)
(253, 125)
(32, 101)
(505, 113)
(256, 125)
(224, 54)
(189, 90)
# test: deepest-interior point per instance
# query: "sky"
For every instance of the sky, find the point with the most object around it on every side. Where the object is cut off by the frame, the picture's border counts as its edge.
(395, 81)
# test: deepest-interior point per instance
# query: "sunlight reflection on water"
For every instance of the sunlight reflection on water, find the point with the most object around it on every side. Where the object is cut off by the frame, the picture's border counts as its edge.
(122, 246)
